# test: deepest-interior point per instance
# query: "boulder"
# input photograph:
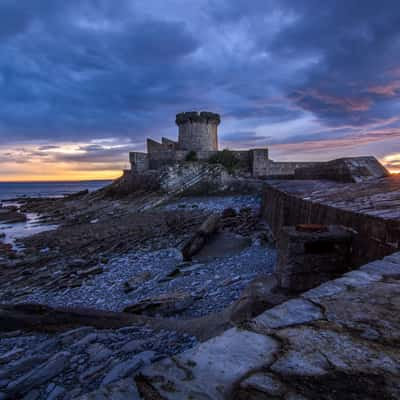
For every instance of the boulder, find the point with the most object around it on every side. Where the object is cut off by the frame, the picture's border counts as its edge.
(200, 238)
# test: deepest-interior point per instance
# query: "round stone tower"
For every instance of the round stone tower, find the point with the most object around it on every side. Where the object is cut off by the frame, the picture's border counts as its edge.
(198, 131)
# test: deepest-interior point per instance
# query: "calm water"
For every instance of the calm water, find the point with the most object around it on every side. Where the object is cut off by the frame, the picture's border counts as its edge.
(46, 189)
(16, 231)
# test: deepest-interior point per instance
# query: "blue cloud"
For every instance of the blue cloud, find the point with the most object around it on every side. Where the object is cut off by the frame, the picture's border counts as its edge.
(91, 69)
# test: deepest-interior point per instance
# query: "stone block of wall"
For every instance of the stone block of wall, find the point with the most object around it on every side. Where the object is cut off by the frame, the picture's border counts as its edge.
(309, 255)
(139, 162)
(259, 162)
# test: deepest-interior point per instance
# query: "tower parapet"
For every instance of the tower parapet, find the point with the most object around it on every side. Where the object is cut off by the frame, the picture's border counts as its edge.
(198, 131)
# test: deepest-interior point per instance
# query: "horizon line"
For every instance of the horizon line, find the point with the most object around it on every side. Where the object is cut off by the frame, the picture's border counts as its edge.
(59, 181)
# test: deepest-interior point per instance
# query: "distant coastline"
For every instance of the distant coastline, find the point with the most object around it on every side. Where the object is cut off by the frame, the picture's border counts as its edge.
(14, 190)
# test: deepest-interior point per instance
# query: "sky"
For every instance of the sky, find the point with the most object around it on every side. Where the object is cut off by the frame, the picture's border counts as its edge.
(83, 82)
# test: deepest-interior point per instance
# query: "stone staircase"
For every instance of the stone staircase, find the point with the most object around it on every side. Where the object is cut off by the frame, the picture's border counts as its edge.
(176, 184)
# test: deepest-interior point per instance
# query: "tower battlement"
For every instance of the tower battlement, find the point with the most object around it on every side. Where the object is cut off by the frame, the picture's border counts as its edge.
(201, 117)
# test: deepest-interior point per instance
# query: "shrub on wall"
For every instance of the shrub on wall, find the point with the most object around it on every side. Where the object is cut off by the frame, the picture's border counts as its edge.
(191, 156)
(226, 158)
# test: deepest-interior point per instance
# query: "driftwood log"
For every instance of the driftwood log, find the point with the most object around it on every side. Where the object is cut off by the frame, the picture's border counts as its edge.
(200, 238)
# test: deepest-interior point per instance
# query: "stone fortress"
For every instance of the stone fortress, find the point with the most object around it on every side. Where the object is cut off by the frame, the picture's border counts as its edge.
(198, 132)
(198, 139)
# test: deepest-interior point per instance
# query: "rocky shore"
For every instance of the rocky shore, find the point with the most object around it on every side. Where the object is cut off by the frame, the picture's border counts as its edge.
(105, 256)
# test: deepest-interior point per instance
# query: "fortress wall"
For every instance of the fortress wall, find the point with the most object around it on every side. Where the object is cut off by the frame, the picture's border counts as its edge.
(278, 168)
(153, 146)
(169, 144)
(170, 157)
(166, 157)
(374, 237)
(139, 162)
(259, 162)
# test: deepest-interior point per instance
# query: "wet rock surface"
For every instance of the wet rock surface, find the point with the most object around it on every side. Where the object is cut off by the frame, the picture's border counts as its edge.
(11, 215)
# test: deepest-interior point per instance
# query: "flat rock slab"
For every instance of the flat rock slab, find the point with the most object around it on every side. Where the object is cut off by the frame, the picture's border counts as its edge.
(210, 370)
(40, 375)
(337, 341)
(292, 312)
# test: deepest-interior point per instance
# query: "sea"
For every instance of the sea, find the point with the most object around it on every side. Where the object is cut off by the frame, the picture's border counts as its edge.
(10, 233)
(15, 190)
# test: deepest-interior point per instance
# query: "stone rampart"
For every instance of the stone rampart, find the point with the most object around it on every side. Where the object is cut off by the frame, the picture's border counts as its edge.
(160, 159)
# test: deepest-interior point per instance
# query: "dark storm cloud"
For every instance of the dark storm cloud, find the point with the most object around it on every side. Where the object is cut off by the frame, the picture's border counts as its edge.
(90, 69)
(76, 79)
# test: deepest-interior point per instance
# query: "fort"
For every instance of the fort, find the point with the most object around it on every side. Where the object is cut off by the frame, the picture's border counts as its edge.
(198, 141)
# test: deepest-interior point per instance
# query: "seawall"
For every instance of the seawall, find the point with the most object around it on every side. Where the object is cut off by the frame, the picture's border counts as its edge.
(375, 236)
